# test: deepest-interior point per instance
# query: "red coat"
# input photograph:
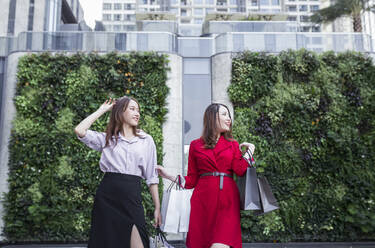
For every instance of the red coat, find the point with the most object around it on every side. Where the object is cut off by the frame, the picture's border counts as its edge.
(215, 213)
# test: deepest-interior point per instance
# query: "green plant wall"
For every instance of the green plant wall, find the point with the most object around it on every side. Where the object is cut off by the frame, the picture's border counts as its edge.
(53, 176)
(312, 119)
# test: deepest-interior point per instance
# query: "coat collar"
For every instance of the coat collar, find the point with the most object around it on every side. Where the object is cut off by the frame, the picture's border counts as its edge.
(221, 145)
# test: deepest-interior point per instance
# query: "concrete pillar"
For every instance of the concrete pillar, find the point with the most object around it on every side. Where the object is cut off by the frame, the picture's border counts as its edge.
(4, 15)
(172, 128)
(8, 111)
(221, 77)
(22, 12)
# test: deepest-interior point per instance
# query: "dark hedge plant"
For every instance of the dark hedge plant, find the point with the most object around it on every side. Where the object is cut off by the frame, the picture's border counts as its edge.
(312, 119)
(53, 176)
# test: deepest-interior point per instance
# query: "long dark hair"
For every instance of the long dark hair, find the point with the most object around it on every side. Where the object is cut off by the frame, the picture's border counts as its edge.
(210, 127)
(117, 120)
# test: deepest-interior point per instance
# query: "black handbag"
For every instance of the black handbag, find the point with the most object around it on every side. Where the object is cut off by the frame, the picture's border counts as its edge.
(248, 187)
(255, 193)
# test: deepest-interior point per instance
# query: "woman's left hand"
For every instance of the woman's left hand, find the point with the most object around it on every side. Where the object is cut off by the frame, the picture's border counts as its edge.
(249, 146)
(157, 216)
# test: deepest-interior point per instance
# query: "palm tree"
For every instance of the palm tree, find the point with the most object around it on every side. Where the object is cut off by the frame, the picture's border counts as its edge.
(340, 8)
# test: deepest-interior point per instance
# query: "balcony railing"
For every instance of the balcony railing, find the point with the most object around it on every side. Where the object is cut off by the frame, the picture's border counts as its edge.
(281, 41)
(167, 42)
(90, 41)
(219, 27)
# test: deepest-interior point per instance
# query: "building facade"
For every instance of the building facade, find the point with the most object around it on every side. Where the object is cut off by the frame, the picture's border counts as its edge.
(18, 16)
(300, 11)
(120, 15)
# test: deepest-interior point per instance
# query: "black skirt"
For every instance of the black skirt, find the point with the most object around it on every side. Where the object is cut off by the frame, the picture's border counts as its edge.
(117, 207)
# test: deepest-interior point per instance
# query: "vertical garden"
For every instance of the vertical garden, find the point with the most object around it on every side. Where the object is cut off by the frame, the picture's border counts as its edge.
(53, 176)
(312, 119)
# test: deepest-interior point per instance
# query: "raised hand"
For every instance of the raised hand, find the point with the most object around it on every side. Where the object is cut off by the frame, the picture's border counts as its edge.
(108, 105)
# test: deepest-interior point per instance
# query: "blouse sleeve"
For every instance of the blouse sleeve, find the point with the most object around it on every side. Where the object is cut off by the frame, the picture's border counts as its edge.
(150, 172)
(94, 140)
(239, 164)
(192, 176)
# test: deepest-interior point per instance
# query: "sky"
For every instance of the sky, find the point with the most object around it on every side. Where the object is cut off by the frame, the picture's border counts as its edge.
(92, 11)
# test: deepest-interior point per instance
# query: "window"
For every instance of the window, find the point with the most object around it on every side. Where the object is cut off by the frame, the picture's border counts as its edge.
(198, 20)
(108, 27)
(292, 18)
(233, 2)
(233, 10)
(144, 1)
(198, 12)
(314, 8)
(107, 6)
(117, 17)
(264, 2)
(117, 6)
(127, 17)
(129, 6)
(221, 2)
(306, 29)
(222, 10)
(304, 18)
(303, 8)
(174, 10)
(275, 2)
(183, 12)
(315, 29)
(254, 2)
(210, 2)
(116, 27)
(210, 10)
(107, 17)
(174, 2)
(292, 8)
(185, 21)
(198, 1)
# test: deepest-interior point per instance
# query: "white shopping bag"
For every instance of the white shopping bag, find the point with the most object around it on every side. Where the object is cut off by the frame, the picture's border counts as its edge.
(171, 211)
(175, 209)
(185, 210)
(159, 241)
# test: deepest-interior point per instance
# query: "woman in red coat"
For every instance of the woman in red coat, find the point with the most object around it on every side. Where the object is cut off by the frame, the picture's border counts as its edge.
(215, 203)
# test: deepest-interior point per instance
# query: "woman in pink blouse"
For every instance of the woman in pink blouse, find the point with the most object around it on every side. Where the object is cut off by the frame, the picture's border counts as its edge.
(127, 155)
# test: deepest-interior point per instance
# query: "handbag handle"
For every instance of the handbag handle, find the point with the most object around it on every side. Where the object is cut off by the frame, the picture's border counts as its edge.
(178, 184)
(161, 234)
(251, 160)
(171, 185)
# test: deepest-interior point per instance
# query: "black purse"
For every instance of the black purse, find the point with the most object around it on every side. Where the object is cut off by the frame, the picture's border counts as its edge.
(255, 193)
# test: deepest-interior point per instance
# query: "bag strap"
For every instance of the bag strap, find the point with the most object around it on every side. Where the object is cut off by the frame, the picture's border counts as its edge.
(172, 184)
(251, 160)
(161, 235)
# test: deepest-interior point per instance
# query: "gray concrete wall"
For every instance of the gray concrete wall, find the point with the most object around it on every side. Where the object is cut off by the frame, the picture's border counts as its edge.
(39, 12)
(221, 68)
(22, 13)
(4, 14)
(9, 112)
(172, 128)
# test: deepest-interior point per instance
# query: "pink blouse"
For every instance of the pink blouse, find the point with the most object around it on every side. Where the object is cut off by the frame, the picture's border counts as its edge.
(133, 157)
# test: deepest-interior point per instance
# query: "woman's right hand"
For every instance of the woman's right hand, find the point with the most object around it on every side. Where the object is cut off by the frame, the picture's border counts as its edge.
(107, 105)
(163, 173)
